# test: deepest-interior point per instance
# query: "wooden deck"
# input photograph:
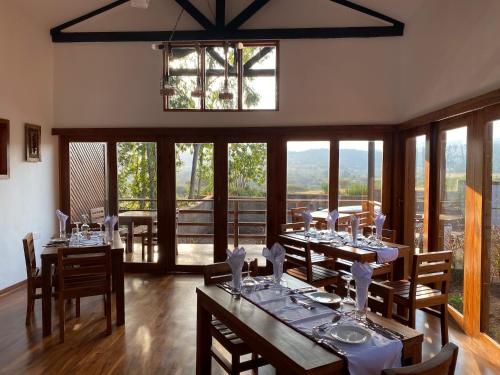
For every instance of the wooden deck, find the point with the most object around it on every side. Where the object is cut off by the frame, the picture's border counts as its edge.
(158, 337)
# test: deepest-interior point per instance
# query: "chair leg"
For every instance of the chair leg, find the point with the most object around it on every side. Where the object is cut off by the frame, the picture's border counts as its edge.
(255, 370)
(29, 307)
(77, 307)
(411, 317)
(444, 324)
(235, 364)
(143, 241)
(61, 319)
(108, 314)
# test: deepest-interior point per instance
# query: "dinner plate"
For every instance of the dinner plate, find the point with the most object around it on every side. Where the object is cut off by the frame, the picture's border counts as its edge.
(350, 334)
(325, 298)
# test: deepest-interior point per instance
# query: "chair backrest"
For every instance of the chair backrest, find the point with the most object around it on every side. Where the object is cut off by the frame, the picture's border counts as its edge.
(296, 214)
(343, 223)
(442, 363)
(389, 235)
(220, 272)
(431, 268)
(29, 255)
(292, 226)
(84, 271)
(380, 299)
(97, 215)
(365, 218)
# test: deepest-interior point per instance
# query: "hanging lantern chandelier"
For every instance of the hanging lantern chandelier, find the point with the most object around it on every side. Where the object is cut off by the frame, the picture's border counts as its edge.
(225, 93)
(167, 89)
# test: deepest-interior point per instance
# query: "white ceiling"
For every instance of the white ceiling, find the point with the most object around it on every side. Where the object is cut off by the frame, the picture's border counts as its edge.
(161, 14)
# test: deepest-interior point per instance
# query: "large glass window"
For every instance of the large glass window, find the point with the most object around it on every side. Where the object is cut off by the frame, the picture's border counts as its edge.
(247, 198)
(307, 177)
(360, 176)
(453, 165)
(197, 73)
(490, 323)
(195, 203)
(420, 186)
(137, 199)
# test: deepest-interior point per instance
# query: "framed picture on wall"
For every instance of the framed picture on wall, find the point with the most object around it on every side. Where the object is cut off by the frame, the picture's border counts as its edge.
(32, 136)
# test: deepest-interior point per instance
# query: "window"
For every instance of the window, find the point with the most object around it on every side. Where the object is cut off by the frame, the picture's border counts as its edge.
(252, 74)
(360, 176)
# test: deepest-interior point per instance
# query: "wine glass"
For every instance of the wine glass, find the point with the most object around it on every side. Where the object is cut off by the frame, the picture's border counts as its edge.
(249, 282)
(347, 299)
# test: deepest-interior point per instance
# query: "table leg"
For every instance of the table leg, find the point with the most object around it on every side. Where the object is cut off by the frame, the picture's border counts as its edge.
(150, 242)
(119, 284)
(203, 341)
(130, 238)
(46, 296)
(401, 267)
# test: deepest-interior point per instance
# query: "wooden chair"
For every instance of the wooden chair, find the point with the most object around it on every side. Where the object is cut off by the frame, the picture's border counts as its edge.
(84, 272)
(388, 235)
(296, 214)
(306, 265)
(443, 363)
(33, 276)
(296, 255)
(218, 273)
(380, 299)
(365, 219)
(343, 223)
(427, 269)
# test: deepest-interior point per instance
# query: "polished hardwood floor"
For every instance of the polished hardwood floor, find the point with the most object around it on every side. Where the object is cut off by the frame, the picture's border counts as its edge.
(158, 337)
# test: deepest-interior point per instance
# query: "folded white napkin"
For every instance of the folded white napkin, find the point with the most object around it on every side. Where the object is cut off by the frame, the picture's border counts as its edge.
(354, 229)
(62, 222)
(386, 254)
(379, 224)
(109, 225)
(362, 275)
(236, 259)
(331, 219)
(276, 255)
(306, 215)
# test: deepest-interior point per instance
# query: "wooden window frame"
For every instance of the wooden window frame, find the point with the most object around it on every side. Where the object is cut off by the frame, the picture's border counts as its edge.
(239, 62)
(4, 148)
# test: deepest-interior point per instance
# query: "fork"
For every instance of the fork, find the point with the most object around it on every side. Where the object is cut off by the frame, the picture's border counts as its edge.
(301, 303)
(329, 343)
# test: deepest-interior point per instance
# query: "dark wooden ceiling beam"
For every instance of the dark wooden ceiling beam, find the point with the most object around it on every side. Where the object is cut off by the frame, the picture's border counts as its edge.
(369, 12)
(196, 14)
(246, 14)
(220, 14)
(87, 16)
(248, 34)
(257, 57)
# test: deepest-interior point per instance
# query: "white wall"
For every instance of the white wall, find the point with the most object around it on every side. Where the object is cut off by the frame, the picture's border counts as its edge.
(450, 53)
(27, 198)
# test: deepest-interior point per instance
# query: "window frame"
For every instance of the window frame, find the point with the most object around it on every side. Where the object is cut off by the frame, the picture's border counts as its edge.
(239, 97)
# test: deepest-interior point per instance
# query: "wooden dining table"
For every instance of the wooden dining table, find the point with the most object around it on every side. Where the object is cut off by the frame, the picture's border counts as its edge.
(289, 351)
(321, 215)
(49, 258)
(401, 267)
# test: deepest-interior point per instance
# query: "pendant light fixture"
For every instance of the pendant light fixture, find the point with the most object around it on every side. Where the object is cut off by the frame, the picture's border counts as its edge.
(198, 90)
(166, 88)
(225, 94)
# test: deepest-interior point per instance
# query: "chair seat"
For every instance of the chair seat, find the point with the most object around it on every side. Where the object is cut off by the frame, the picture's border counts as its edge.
(320, 275)
(228, 339)
(402, 291)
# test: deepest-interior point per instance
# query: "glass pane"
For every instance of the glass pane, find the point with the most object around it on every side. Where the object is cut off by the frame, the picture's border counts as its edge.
(247, 204)
(452, 207)
(259, 77)
(307, 176)
(420, 180)
(137, 199)
(195, 203)
(183, 76)
(87, 162)
(491, 325)
(360, 176)
(214, 67)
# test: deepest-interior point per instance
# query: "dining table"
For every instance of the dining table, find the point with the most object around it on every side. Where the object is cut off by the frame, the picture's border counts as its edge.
(321, 215)
(286, 348)
(138, 218)
(49, 259)
(401, 267)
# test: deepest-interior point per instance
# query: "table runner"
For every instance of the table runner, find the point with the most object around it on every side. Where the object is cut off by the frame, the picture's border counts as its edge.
(368, 358)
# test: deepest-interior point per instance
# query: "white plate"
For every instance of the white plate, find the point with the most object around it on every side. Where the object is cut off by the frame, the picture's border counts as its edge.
(350, 334)
(323, 297)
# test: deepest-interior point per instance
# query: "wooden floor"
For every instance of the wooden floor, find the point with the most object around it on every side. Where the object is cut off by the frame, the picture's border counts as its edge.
(158, 337)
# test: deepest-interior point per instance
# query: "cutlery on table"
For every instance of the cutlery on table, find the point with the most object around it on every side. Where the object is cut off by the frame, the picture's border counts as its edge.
(301, 303)
(321, 340)
(371, 323)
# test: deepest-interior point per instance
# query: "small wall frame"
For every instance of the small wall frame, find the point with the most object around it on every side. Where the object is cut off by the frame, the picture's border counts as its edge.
(4, 148)
(32, 136)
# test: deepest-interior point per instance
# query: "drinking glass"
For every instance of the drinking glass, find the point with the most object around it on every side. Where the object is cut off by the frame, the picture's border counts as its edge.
(361, 301)
(249, 282)
(75, 235)
(347, 299)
